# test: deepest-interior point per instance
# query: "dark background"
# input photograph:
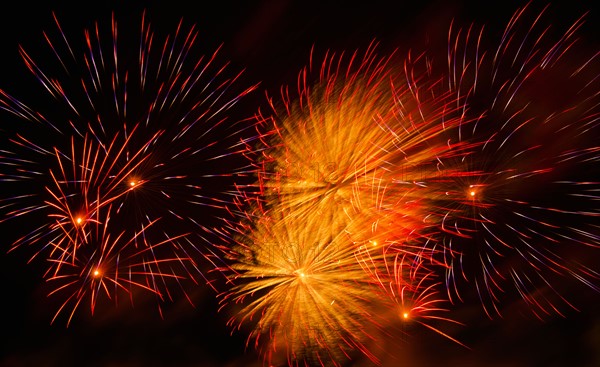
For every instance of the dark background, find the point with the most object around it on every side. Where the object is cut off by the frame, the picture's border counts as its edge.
(272, 41)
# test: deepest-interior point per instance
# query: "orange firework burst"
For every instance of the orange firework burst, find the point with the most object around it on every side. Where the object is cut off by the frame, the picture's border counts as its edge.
(340, 182)
(298, 282)
(363, 138)
(327, 143)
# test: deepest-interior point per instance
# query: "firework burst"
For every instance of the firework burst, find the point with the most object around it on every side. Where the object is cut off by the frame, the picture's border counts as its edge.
(523, 213)
(299, 283)
(362, 137)
(375, 195)
(325, 143)
(140, 131)
(339, 188)
(411, 285)
(111, 263)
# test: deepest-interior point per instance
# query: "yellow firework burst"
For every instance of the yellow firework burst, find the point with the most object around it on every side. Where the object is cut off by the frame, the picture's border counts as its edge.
(300, 283)
(329, 134)
(361, 139)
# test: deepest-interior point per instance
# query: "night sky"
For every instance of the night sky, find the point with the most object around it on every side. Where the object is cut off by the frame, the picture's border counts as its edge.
(271, 40)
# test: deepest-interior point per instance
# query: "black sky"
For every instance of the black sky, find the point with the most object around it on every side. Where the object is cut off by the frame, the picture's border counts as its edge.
(272, 40)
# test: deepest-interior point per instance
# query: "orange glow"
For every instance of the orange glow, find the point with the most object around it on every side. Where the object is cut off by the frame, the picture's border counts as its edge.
(474, 192)
(134, 181)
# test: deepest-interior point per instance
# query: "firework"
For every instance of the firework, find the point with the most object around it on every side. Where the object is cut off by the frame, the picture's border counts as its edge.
(138, 134)
(375, 195)
(323, 144)
(339, 193)
(298, 282)
(90, 177)
(411, 285)
(522, 214)
(112, 263)
(362, 134)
